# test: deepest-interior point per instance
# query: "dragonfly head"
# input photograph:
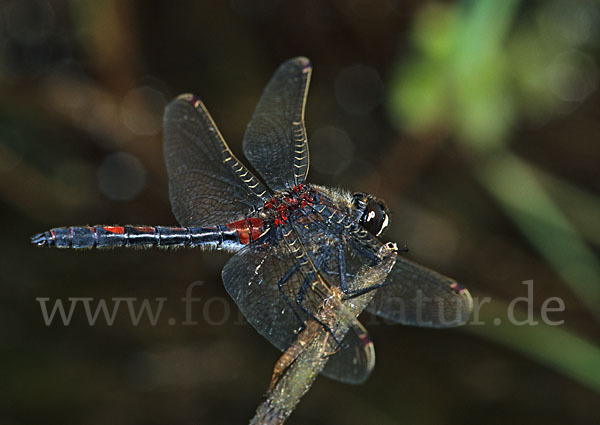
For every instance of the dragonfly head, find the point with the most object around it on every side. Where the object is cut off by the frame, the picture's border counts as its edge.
(372, 213)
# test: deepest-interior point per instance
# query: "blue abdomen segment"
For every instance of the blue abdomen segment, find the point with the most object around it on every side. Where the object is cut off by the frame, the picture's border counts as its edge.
(101, 236)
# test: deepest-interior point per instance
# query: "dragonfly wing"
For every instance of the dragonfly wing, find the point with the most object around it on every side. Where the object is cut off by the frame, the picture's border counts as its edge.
(264, 280)
(415, 295)
(207, 183)
(355, 359)
(275, 140)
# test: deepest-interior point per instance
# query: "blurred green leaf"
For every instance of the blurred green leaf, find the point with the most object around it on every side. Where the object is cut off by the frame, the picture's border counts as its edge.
(474, 72)
(518, 192)
(475, 69)
(557, 347)
(580, 206)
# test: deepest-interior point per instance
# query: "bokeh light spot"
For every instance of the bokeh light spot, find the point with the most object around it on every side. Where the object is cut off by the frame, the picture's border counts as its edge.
(572, 76)
(142, 110)
(358, 89)
(331, 150)
(121, 177)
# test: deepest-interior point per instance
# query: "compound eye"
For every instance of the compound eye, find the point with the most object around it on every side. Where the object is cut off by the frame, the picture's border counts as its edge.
(375, 218)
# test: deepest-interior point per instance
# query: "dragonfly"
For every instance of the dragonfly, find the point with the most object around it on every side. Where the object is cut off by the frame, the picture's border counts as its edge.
(295, 244)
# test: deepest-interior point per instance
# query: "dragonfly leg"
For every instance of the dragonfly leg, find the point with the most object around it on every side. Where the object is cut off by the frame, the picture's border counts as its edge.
(339, 347)
(359, 292)
(342, 266)
(368, 253)
(284, 279)
(306, 284)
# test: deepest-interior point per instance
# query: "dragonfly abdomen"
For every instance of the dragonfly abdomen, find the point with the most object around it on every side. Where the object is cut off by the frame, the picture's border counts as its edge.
(101, 236)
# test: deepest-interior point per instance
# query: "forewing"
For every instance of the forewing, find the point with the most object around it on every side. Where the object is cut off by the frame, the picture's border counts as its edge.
(207, 184)
(415, 295)
(275, 139)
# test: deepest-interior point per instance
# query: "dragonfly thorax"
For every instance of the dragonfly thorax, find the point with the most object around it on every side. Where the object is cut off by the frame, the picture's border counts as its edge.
(282, 205)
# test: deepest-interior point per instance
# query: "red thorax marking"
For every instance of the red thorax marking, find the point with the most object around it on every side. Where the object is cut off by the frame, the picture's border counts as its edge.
(248, 229)
(299, 197)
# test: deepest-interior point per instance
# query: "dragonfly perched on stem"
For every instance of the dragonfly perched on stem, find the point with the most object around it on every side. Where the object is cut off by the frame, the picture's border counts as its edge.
(304, 254)
(333, 320)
